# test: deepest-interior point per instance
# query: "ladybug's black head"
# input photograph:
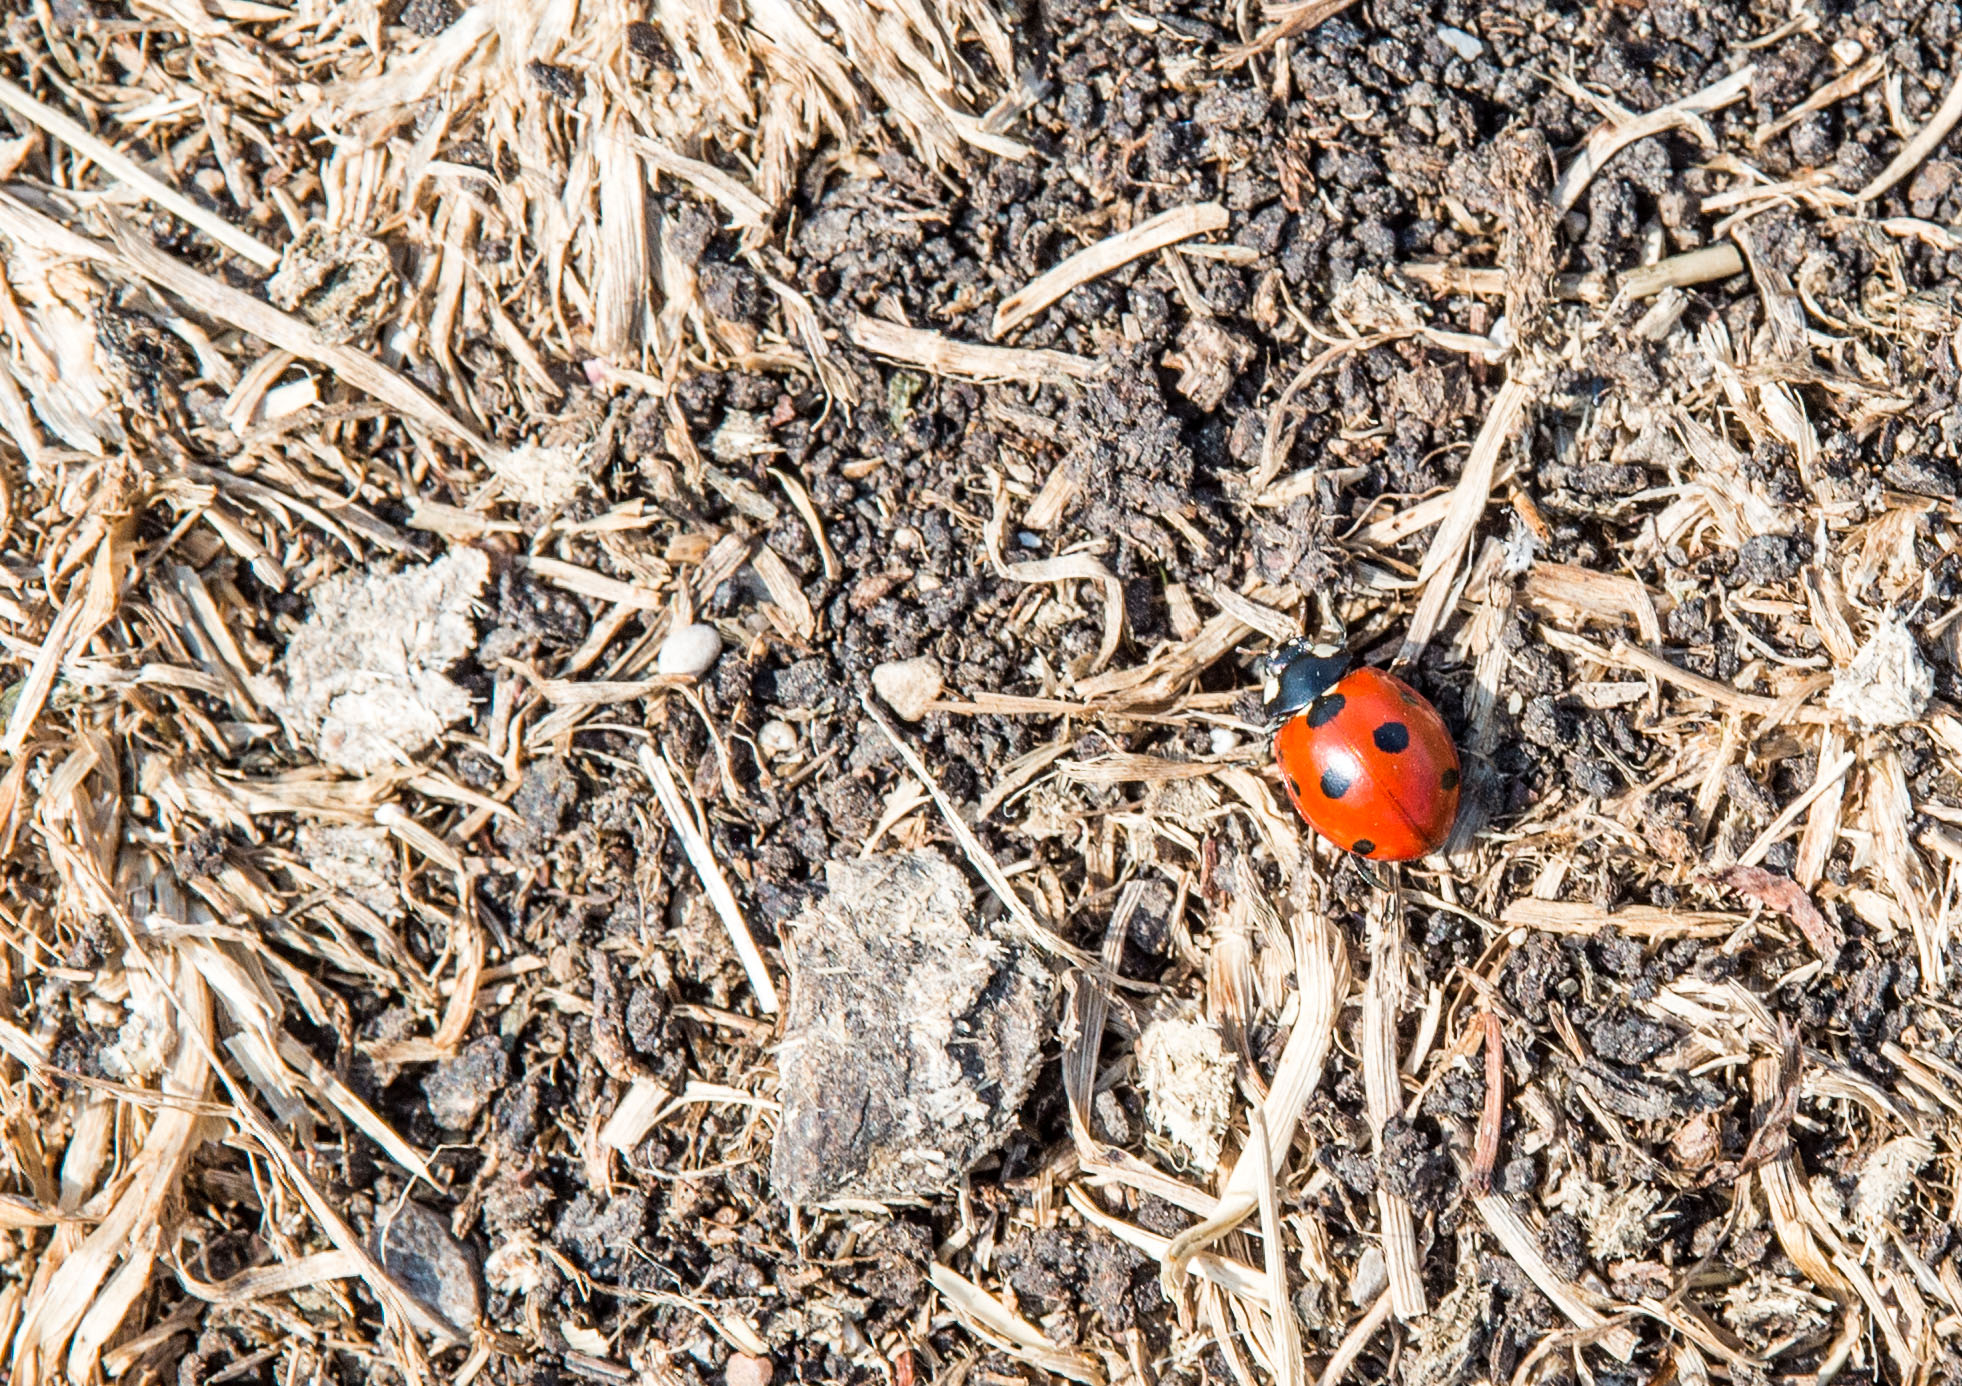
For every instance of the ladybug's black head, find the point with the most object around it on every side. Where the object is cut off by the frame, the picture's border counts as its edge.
(1300, 672)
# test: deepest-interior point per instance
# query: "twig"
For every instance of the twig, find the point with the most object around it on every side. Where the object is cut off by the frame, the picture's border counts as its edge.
(120, 166)
(702, 858)
(1926, 140)
(1382, 998)
(1093, 262)
(969, 360)
(1699, 266)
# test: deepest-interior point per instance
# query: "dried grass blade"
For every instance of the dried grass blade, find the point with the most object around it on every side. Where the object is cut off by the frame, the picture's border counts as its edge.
(269, 324)
(121, 167)
(1350, 1349)
(358, 1112)
(1926, 140)
(1321, 969)
(598, 586)
(1699, 266)
(978, 855)
(1383, 994)
(1846, 84)
(262, 1281)
(1281, 425)
(1091, 1004)
(1235, 1277)
(1610, 139)
(1468, 501)
(1829, 779)
(749, 211)
(1822, 819)
(1014, 1334)
(1289, 1367)
(1290, 19)
(56, 1313)
(1503, 1221)
(702, 857)
(84, 613)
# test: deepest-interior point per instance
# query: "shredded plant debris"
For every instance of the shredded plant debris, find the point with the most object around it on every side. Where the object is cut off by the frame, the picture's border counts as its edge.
(631, 742)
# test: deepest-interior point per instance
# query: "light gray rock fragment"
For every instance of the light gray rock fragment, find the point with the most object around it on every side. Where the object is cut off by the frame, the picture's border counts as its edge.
(913, 1036)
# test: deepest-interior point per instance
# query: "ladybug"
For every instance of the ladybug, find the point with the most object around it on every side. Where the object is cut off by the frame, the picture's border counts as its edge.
(1365, 757)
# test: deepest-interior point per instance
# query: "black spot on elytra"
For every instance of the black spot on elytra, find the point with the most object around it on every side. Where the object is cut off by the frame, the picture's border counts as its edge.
(1448, 781)
(1325, 709)
(1363, 847)
(1336, 782)
(1392, 737)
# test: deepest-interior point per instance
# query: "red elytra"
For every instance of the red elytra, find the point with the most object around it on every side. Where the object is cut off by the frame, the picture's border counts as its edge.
(1371, 766)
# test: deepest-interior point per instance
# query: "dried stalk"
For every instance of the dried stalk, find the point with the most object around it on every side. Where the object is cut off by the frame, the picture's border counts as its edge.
(702, 857)
(1095, 261)
(1383, 992)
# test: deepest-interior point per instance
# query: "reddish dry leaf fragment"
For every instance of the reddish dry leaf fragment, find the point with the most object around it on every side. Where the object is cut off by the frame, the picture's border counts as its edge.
(1485, 1152)
(1697, 1142)
(1785, 895)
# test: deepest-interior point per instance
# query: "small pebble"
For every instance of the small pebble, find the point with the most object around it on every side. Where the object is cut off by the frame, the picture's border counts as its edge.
(689, 651)
(776, 739)
(1466, 46)
(414, 1245)
(908, 685)
(744, 1370)
(1223, 740)
(1371, 1277)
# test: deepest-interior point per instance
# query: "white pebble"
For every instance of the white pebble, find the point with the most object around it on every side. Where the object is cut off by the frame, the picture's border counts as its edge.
(908, 685)
(744, 1370)
(1371, 1277)
(1224, 740)
(776, 739)
(689, 651)
(1466, 46)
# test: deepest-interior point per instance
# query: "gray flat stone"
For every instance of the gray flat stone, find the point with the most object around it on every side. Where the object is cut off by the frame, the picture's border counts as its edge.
(914, 1033)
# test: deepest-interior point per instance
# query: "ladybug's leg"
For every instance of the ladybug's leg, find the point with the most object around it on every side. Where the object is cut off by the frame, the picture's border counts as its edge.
(1370, 873)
